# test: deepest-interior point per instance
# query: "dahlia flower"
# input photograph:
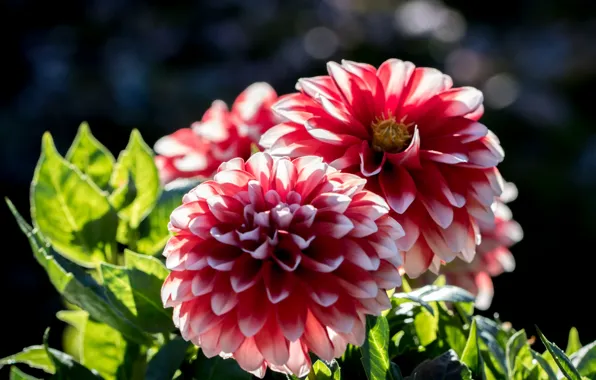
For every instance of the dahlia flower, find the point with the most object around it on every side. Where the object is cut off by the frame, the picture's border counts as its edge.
(274, 258)
(493, 256)
(416, 139)
(222, 134)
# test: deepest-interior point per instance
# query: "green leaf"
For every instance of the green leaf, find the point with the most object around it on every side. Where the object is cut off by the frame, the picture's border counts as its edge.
(34, 356)
(573, 343)
(17, 374)
(149, 266)
(153, 231)
(492, 351)
(91, 157)
(547, 369)
(560, 358)
(100, 347)
(375, 356)
(136, 293)
(135, 165)
(444, 367)
(70, 210)
(66, 367)
(164, 364)
(451, 330)
(427, 325)
(76, 285)
(519, 356)
(585, 360)
(471, 356)
(433, 293)
(217, 368)
(516, 347)
(320, 371)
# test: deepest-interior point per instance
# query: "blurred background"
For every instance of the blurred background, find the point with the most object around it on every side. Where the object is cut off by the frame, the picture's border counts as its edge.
(129, 64)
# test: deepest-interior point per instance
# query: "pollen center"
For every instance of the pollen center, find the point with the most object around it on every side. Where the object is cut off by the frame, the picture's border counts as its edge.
(390, 135)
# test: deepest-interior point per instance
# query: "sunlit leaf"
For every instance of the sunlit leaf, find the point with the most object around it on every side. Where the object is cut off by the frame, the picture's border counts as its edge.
(136, 294)
(34, 356)
(91, 157)
(320, 371)
(66, 367)
(375, 357)
(100, 347)
(136, 167)
(560, 358)
(585, 360)
(70, 210)
(573, 343)
(76, 285)
(17, 374)
(471, 355)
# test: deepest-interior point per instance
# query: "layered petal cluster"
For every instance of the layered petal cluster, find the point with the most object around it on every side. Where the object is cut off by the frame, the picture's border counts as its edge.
(493, 256)
(274, 258)
(413, 136)
(221, 135)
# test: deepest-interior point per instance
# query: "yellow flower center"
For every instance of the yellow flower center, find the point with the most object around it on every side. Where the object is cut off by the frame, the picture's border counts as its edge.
(390, 135)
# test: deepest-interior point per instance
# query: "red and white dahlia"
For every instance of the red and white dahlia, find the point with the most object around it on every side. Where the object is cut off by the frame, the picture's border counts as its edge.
(221, 135)
(274, 258)
(415, 138)
(493, 255)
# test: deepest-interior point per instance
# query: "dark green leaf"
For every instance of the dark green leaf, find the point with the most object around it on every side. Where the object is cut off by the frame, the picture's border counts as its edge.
(153, 231)
(444, 367)
(34, 356)
(217, 368)
(585, 360)
(91, 157)
(17, 374)
(134, 290)
(135, 165)
(560, 358)
(70, 210)
(77, 286)
(100, 347)
(573, 343)
(471, 355)
(66, 367)
(375, 356)
(164, 364)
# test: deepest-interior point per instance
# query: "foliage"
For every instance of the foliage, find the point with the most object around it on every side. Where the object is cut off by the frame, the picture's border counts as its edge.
(98, 238)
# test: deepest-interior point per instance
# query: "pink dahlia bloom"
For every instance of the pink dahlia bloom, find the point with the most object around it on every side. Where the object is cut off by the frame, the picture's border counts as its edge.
(493, 256)
(415, 138)
(221, 135)
(274, 258)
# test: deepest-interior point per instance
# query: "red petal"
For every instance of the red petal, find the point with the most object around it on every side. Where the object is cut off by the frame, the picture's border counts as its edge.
(271, 342)
(394, 75)
(398, 187)
(371, 162)
(316, 338)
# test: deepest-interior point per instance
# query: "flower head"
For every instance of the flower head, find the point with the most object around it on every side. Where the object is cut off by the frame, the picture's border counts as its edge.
(276, 257)
(222, 134)
(493, 256)
(416, 139)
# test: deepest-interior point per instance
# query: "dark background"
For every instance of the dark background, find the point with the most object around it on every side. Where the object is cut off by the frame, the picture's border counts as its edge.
(129, 64)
